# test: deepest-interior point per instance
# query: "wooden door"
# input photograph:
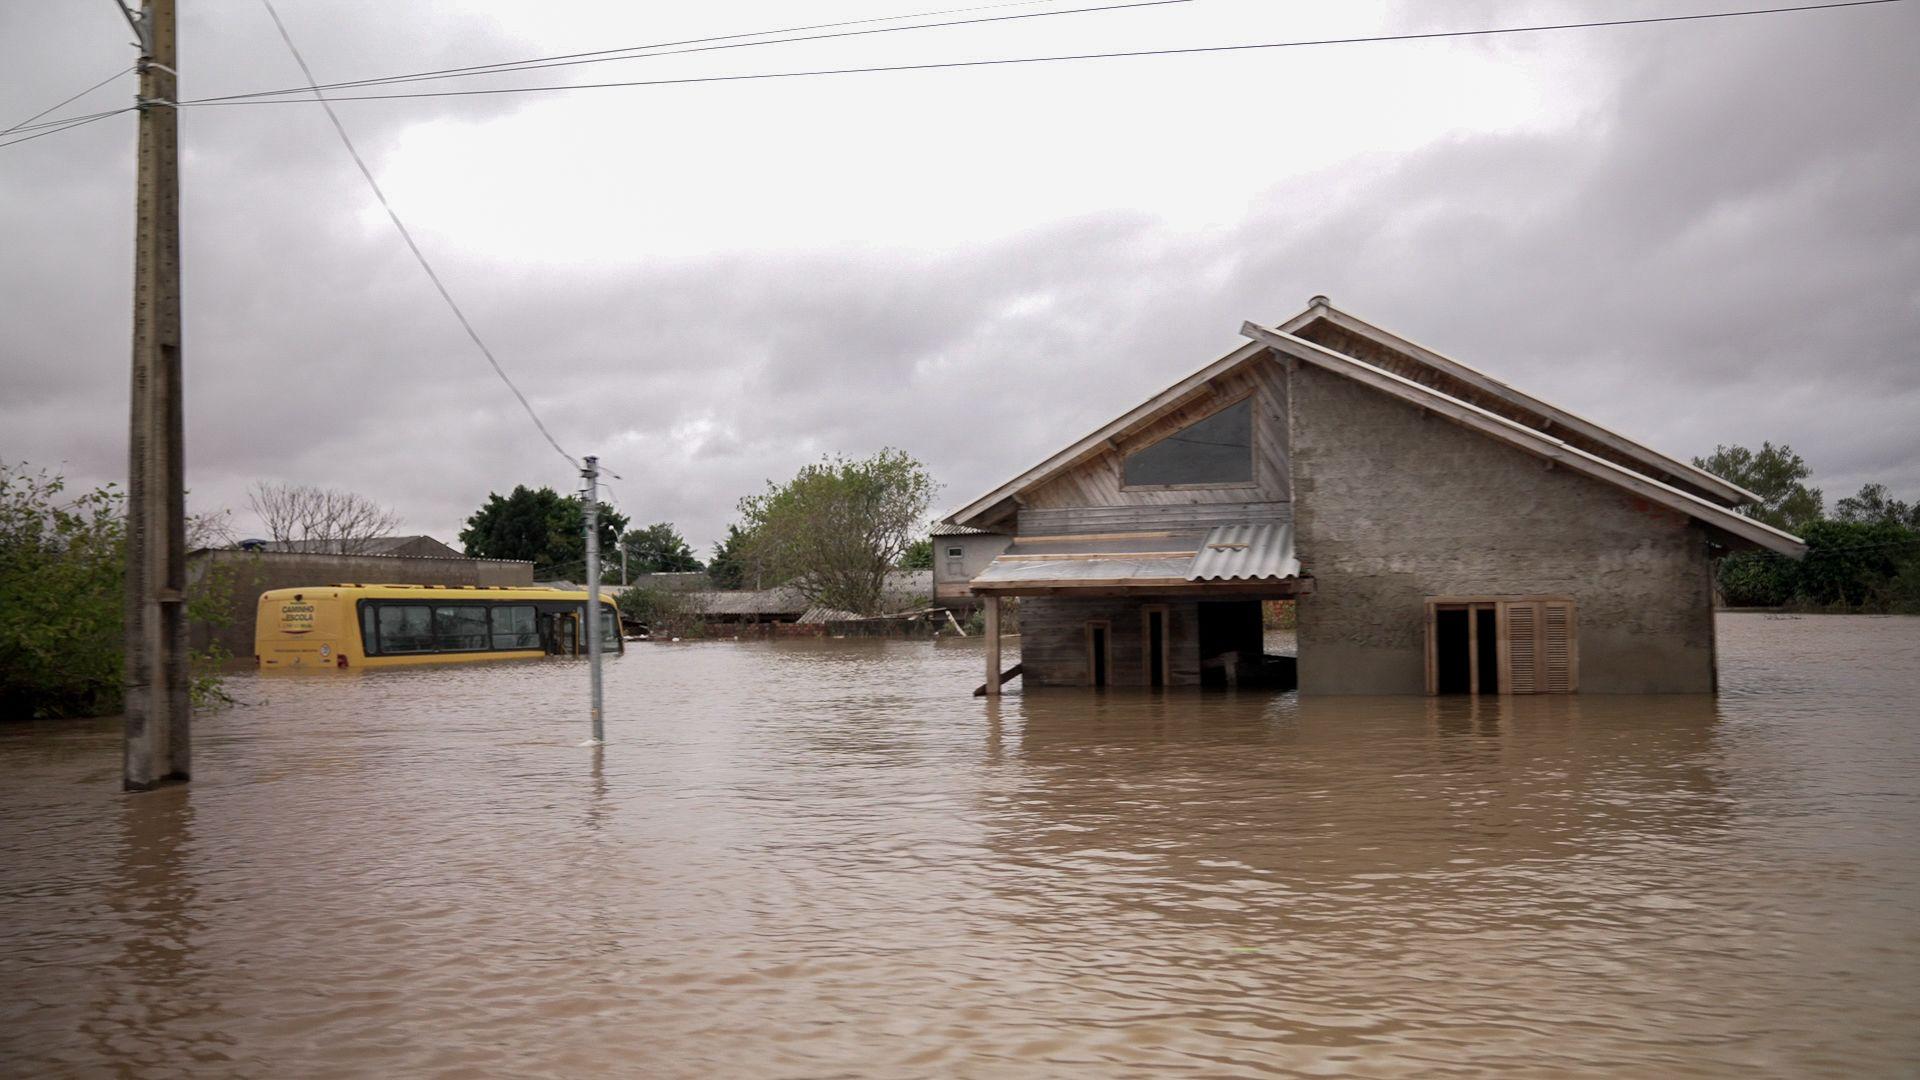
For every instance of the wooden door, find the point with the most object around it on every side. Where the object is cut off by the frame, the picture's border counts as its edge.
(1538, 647)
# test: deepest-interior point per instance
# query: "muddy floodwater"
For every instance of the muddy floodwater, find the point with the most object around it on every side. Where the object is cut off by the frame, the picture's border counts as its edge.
(825, 858)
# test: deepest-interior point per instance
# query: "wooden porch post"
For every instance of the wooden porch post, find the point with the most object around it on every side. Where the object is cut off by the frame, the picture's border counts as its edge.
(993, 646)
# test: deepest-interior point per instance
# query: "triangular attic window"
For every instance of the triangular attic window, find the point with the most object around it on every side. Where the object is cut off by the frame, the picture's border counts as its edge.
(1214, 450)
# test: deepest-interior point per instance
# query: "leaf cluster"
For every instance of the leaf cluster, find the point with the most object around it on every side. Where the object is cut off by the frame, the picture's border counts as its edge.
(62, 596)
(838, 527)
(658, 549)
(542, 526)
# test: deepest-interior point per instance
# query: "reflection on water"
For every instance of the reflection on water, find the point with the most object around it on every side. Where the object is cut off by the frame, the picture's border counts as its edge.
(826, 858)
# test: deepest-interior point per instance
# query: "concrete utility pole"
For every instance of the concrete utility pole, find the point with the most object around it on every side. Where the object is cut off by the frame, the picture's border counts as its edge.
(592, 622)
(158, 743)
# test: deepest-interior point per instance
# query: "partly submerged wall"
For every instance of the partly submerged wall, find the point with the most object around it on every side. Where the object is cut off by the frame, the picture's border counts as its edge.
(1393, 506)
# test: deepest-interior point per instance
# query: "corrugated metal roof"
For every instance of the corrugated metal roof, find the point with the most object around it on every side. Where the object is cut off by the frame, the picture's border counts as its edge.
(1245, 553)
(1147, 570)
(941, 528)
(782, 601)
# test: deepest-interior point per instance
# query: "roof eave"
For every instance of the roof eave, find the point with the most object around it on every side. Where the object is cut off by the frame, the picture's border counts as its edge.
(1530, 440)
(1732, 494)
(988, 508)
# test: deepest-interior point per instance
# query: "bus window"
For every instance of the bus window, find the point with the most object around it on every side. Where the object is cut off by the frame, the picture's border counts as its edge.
(514, 627)
(609, 630)
(406, 628)
(459, 629)
(369, 639)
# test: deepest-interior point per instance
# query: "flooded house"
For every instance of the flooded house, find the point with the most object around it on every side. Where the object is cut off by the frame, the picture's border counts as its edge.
(1439, 530)
(960, 553)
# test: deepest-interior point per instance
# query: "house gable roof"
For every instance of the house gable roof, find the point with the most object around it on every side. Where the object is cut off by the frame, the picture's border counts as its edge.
(1469, 384)
(1523, 437)
(997, 504)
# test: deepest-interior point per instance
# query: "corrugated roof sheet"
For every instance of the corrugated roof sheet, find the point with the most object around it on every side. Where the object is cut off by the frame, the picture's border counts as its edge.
(782, 601)
(1245, 553)
(1147, 570)
(941, 528)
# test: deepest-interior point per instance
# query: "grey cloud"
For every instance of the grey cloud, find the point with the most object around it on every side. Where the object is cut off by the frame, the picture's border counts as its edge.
(1727, 251)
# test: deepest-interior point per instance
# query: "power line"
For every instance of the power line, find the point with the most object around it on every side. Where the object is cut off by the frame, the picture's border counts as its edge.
(1059, 58)
(66, 120)
(65, 125)
(407, 235)
(68, 101)
(667, 48)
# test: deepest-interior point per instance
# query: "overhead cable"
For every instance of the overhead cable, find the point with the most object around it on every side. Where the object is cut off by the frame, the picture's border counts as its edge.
(1059, 58)
(65, 125)
(407, 235)
(706, 44)
(69, 101)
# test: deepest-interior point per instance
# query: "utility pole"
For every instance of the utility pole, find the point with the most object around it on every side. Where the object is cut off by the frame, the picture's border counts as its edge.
(592, 622)
(158, 743)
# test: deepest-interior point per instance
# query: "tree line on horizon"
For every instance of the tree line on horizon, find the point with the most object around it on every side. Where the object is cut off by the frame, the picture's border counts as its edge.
(1864, 556)
(833, 532)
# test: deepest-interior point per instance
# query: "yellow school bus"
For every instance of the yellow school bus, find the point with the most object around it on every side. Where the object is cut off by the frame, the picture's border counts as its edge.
(356, 626)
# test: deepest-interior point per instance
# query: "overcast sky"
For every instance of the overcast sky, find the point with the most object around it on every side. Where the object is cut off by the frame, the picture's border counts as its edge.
(1693, 233)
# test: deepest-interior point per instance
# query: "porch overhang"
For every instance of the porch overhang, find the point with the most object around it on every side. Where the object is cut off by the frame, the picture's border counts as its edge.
(1234, 561)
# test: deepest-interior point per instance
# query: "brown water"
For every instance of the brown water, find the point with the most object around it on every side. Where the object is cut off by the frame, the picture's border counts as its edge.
(827, 859)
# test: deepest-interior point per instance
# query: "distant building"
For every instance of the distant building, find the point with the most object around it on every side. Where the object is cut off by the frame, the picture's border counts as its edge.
(904, 590)
(959, 553)
(1441, 531)
(414, 546)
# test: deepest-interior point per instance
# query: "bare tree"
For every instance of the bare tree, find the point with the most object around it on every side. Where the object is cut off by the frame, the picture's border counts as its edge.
(210, 528)
(320, 519)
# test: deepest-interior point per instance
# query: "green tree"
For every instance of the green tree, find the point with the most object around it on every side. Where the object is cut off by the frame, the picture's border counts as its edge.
(919, 555)
(540, 525)
(1875, 503)
(1776, 474)
(727, 569)
(1851, 565)
(839, 526)
(658, 549)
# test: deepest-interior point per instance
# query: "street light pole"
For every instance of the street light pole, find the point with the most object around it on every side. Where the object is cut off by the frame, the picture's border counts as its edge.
(593, 620)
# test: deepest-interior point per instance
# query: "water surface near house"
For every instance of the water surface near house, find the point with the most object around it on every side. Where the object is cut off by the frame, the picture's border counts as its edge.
(824, 858)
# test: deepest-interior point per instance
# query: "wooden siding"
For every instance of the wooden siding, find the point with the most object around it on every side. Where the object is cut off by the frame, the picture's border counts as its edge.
(1083, 520)
(1053, 640)
(1097, 481)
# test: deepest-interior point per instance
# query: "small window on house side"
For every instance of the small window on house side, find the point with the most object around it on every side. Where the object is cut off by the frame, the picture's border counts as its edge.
(1215, 450)
(955, 553)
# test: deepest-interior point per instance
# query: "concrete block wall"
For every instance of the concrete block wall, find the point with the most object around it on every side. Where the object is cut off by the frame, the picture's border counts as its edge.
(1393, 506)
(1053, 640)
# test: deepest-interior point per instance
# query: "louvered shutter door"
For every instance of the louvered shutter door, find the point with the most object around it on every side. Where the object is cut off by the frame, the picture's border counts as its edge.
(1556, 648)
(1523, 649)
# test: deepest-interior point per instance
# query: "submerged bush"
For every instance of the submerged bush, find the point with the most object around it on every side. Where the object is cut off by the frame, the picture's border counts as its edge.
(63, 601)
(62, 568)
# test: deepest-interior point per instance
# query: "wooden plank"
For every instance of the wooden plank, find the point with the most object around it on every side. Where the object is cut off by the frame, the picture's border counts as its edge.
(1523, 647)
(993, 647)
(1098, 481)
(1005, 677)
(1433, 644)
(1038, 524)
